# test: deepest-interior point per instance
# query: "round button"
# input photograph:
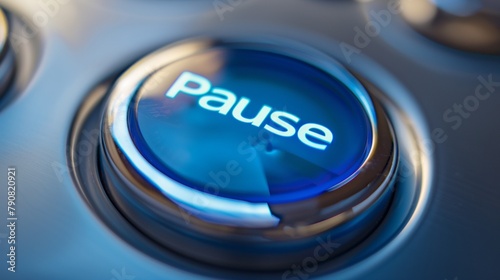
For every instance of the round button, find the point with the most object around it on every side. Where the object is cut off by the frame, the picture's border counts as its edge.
(470, 25)
(230, 151)
(263, 128)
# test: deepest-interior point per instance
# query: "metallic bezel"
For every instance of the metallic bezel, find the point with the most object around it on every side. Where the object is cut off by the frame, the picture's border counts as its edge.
(181, 217)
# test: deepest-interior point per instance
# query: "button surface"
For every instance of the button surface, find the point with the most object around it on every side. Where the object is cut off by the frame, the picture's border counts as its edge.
(250, 125)
(265, 147)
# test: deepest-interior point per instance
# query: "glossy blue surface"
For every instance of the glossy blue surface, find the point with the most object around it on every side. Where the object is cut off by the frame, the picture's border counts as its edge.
(218, 154)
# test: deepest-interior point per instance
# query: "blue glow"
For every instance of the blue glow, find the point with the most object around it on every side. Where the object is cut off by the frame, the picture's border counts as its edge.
(199, 148)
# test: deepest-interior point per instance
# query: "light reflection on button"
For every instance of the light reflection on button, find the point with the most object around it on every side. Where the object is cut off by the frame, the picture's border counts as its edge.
(264, 146)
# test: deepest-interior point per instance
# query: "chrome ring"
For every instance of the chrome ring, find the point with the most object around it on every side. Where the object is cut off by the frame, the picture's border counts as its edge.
(158, 205)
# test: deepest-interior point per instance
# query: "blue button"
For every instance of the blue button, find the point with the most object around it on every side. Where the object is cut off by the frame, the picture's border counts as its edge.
(229, 151)
(252, 125)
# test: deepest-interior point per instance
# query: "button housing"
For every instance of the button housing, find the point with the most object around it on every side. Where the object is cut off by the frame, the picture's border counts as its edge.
(233, 232)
